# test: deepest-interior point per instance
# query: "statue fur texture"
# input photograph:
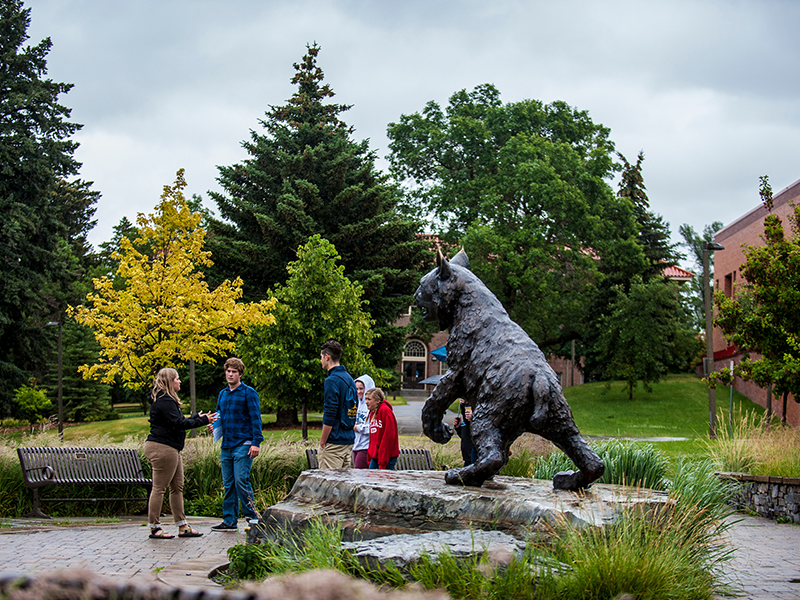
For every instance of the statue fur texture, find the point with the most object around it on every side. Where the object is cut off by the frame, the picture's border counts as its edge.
(499, 370)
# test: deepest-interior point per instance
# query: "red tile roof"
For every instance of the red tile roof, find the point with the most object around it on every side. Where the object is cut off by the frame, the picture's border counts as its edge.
(677, 273)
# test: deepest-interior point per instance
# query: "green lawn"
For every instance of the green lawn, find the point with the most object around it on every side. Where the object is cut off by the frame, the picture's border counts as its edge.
(677, 407)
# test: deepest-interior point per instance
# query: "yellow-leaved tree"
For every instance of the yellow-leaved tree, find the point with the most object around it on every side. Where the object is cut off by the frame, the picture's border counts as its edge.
(165, 314)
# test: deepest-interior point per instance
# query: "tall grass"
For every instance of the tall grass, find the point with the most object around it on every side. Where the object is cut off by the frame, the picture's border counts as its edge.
(646, 553)
(650, 553)
(756, 448)
(273, 474)
(525, 451)
(626, 463)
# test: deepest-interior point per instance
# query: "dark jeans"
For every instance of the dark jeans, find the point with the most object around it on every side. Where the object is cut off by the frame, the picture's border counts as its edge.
(373, 464)
(236, 466)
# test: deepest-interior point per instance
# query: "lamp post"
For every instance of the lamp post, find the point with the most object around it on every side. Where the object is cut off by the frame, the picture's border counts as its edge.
(60, 382)
(712, 393)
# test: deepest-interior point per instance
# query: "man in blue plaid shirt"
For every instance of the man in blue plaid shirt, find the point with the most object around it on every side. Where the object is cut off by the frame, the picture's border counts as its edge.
(239, 421)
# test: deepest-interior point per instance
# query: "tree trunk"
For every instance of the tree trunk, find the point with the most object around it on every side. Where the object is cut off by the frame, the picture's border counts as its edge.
(305, 420)
(286, 417)
(783, 417)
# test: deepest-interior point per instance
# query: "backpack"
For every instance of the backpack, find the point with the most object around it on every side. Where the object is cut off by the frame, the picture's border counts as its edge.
(348, 415)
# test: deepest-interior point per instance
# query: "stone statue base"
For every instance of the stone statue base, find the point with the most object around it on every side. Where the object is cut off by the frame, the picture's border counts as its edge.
(372, 504)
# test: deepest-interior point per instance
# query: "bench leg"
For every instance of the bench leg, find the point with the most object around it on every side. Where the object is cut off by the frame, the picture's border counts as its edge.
(36, 513)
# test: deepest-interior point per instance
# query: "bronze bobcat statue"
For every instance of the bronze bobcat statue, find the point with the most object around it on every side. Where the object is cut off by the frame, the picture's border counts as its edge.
(501, 373)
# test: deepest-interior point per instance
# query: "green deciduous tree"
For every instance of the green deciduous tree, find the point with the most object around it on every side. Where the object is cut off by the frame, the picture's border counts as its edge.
(524, 186)
(763, 316)
(45, 217)
(317, 303)
(165, 314)
(646, 334)
(305, 175)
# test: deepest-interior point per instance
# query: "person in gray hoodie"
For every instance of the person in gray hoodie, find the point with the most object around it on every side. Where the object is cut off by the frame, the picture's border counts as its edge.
(361, 429)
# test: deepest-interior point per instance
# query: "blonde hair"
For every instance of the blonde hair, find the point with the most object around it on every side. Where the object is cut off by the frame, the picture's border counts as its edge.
(378, 393)
(164, 383)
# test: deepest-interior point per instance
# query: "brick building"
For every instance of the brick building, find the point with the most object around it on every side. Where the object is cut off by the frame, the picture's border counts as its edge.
(727, 275)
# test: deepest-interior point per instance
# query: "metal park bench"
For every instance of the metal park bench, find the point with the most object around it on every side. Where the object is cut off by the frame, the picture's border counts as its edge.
(410, 459)
(47, 467)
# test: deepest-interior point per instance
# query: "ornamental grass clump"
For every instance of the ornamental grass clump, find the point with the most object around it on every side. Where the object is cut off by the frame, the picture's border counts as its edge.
(647, 552)
(755, 446)
(525, 451)
(626, 463)
(273, 473)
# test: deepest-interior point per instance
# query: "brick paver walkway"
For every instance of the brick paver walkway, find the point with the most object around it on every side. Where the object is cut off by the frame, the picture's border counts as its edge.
(117, 550)
(766, 562)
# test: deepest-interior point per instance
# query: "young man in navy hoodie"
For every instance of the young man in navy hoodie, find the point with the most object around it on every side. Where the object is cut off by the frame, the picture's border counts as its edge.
(336, 442)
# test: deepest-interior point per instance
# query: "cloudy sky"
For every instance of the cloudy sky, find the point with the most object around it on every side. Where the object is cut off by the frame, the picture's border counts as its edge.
(707, 89)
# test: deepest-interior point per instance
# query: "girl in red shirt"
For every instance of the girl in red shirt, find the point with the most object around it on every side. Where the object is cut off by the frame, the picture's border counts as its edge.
(384, 444)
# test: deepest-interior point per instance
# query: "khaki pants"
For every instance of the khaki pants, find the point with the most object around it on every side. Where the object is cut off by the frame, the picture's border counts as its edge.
(335, 456)
(167, 473)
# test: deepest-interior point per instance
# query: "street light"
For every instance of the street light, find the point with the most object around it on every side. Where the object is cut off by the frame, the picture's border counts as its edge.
(712, 394)
(60, 380)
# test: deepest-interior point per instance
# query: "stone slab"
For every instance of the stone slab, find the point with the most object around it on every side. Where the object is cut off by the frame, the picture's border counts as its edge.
(371, 503)
(403, 550)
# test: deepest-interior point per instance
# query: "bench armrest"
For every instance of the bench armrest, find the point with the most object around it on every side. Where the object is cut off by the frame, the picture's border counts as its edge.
(47, 471)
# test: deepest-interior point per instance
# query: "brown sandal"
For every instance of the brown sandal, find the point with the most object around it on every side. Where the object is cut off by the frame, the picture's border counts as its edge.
(159, 534)
(187, 533)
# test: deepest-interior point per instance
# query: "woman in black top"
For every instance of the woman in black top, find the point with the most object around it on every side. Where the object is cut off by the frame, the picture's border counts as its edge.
(163, 449)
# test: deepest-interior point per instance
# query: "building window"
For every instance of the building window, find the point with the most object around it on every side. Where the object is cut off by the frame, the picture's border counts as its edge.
(415, 349)
(728, 285)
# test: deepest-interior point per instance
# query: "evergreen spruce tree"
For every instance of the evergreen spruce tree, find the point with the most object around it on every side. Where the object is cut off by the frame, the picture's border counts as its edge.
(84, 399)
(43, 249)
(305, 175)
(654, 235)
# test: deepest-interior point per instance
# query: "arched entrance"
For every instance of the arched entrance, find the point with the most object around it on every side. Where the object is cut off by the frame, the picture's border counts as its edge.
(414, 362)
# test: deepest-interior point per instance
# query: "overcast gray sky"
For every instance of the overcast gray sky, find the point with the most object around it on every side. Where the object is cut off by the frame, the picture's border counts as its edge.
(707, 89)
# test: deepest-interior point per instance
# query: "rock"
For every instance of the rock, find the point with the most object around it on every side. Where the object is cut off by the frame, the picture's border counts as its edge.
(405, 549)
(369, 504)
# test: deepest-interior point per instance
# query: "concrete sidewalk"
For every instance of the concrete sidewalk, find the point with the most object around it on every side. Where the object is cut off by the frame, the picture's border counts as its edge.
(766, 565)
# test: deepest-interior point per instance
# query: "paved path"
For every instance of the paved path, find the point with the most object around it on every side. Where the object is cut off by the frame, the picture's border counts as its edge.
(766, 564)
(408, 417)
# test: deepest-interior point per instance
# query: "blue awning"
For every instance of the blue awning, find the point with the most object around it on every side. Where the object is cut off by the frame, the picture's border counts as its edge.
(440, 354)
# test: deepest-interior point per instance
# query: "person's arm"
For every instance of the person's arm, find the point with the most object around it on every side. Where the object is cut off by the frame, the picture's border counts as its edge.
(172, 414)
(329, 414)
(323, 439)
(254, 413)
(380, 431)
(389, 446)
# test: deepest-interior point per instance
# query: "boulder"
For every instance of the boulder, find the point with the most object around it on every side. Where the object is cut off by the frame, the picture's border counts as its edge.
(370, 504)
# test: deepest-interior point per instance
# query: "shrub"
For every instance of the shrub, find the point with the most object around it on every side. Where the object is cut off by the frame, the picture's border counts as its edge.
(32, 402)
